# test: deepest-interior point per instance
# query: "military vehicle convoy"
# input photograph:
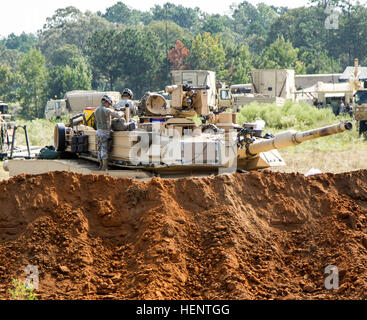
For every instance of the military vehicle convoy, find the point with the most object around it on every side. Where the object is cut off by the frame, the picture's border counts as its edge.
(268, 86)
(186, 135)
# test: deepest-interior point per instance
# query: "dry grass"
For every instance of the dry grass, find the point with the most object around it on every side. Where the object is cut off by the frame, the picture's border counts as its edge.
(332, 161)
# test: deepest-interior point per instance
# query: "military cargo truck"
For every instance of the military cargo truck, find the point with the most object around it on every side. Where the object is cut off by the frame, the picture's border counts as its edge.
(76, 101)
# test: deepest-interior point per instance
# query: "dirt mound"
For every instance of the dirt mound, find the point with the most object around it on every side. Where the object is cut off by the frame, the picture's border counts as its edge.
(242, 236)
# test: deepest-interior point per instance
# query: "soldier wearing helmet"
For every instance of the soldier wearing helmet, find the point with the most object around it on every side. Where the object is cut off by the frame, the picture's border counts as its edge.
(126, 102)
(103, 118)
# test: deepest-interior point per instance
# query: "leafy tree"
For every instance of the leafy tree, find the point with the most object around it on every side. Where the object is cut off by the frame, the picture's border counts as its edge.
(7, 83)
(142, 60)
(22, 43)
(135, 57)
(121, 13)
(69, 70)
(173, 32)
(185, 17)
(318, 61)
(303, 27)
(62, 17)
(253, 20)
(240, 64)
(178, 56)
(282, 55)
(65, 55)
(104, 50)
(31, 93)
(207, 53)
(214, 24)
(75, 75)
(350, 37)
(69, 26)
(9, 57)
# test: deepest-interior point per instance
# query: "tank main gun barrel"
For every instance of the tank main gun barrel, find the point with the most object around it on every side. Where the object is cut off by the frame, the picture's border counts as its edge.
(292, 138)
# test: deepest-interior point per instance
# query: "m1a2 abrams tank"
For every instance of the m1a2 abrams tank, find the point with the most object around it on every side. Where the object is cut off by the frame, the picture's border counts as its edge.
(179, 137)
(169, 140)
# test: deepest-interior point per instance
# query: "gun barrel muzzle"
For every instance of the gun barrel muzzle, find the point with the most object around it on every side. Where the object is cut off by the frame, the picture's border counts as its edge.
(292, 138)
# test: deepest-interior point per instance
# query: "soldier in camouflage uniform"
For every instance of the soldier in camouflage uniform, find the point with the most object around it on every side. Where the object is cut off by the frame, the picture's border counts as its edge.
(103, 116)
(126, 101)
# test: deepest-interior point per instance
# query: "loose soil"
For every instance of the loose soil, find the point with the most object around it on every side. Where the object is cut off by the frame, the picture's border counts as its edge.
(262, 235)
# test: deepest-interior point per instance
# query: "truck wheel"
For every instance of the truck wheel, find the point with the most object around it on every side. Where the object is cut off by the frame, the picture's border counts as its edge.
(60, 137)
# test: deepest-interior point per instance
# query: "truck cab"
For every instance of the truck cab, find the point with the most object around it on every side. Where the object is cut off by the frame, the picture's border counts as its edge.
(225, 98)
(55, 109)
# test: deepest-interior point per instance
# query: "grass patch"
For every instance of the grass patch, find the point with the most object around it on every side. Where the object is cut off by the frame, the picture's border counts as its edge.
(290, 115)
(21, 292)
(302, 117)
(40, 131)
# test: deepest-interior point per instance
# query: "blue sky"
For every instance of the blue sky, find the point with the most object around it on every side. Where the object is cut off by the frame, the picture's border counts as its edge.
(29, 15)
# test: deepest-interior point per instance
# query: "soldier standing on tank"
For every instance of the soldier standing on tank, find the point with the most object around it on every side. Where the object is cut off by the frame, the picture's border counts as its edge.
(103, 117)
(126, 101)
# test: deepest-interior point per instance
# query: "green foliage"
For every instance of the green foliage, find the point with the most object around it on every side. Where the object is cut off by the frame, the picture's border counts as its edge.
(104, 51)
(69, 71)
(214, 24)
(69, 26)
(318, 61)
(174, 32)
(73, 73)
(185, 17)
(40, 131)
(207, 53)
(9, 57)
(291, 115)
(240, 64)
(132, 55)
(121, 13)
(22, 43)
(253, 23)
(282, 55)
(32, 73)
(21, 292)
(142, 60)
(303, 27)
(65, 55)
(7, 84)
(124, 47)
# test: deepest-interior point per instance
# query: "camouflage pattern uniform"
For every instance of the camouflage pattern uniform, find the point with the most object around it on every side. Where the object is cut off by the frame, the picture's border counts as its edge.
(103, 118)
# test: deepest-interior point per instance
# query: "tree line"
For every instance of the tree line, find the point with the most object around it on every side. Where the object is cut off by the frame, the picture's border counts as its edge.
(124, 47)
